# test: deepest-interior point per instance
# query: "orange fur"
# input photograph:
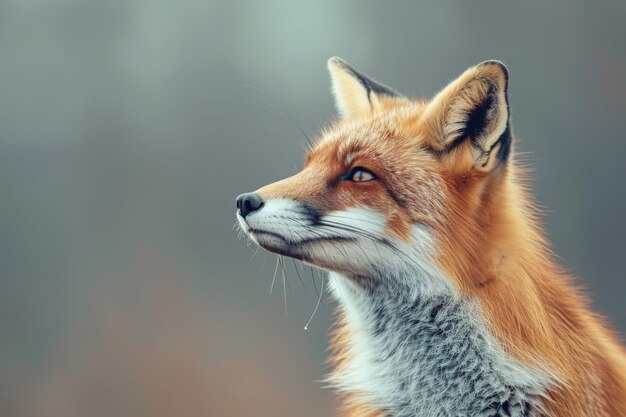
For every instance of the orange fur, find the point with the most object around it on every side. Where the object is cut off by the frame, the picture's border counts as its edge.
(489, 239)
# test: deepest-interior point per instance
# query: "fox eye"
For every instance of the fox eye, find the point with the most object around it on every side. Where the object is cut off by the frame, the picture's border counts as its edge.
(360, 174)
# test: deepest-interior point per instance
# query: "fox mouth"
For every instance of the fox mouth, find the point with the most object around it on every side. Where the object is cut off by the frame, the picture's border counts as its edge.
(274, 242)
(258, 232)
(278, 244)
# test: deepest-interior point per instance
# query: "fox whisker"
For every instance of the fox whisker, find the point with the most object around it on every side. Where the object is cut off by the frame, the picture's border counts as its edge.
(313, 279)
(282, 262)
(295, 266)
(275, 272)
(319, 300)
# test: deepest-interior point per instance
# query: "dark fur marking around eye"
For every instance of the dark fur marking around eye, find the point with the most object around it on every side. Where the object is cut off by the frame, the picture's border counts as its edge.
(348, 175)
(394, 196)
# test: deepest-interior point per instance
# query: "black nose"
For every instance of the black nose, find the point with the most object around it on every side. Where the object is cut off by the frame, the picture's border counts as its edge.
(248, 202)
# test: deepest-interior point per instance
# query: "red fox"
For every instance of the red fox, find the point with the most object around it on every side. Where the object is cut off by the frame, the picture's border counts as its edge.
(450, 300)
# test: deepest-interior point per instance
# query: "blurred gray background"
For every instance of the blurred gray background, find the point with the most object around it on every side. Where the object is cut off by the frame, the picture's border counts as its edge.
(127, 128)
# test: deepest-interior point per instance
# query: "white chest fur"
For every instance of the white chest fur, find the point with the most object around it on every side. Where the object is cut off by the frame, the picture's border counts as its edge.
(429, 355)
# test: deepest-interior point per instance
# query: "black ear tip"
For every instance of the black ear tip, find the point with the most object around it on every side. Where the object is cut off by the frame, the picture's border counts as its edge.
(495, 63)
(335, 61)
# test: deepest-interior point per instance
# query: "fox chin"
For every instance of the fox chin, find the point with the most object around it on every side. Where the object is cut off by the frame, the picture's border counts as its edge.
(450, 300)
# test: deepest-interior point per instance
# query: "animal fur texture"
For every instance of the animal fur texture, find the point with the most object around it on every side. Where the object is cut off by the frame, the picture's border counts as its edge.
(450, 301)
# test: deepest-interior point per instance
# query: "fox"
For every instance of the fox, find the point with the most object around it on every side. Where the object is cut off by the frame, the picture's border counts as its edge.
(450, 299)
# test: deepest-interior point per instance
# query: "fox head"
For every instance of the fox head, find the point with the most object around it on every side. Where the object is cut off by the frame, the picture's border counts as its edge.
(394, 180)
(408, 202)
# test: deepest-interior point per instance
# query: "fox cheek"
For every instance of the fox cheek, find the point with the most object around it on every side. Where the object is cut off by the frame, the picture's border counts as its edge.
(399, 225)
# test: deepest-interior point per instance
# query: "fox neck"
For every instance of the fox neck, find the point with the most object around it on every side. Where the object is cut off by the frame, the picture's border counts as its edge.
(428, 349)
(414, 354)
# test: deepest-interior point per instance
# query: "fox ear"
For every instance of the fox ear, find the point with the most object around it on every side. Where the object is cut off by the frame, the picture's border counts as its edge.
(355, 92)
(468, 121)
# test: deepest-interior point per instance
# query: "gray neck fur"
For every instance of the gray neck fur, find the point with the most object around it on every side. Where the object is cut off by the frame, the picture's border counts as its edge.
(418, 353)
